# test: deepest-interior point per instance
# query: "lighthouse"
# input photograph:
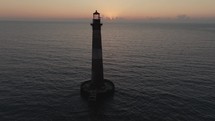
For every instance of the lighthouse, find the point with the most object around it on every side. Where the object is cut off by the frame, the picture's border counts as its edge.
(97, 61)
(97, 87)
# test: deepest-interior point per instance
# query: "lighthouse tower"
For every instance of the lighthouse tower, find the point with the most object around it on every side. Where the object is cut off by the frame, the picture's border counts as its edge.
(98, 86)
(97, 62)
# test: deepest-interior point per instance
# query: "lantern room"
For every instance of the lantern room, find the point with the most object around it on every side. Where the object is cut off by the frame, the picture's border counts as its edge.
(96, 15)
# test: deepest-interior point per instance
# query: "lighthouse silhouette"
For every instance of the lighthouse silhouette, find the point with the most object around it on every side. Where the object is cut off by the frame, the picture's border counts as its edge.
(97, 87)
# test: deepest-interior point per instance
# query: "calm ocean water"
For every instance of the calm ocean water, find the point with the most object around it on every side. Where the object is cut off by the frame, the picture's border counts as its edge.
(162, 72)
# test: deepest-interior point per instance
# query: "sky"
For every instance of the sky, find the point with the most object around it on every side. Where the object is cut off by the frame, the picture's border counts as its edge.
(110, 9)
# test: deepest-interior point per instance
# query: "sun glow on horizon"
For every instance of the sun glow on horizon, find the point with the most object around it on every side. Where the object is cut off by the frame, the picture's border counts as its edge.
(110, 15)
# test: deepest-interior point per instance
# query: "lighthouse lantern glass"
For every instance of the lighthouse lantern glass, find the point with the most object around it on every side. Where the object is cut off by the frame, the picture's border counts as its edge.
(96, 15)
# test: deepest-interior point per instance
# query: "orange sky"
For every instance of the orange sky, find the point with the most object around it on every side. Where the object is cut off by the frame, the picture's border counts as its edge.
(130, 9)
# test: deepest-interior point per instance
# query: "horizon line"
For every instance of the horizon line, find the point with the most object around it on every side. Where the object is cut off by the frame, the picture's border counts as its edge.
(181, 18)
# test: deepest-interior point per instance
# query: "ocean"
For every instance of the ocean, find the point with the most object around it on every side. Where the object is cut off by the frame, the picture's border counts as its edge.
(161, 71)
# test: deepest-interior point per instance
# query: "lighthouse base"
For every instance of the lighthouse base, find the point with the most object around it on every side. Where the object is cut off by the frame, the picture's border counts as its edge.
(94, 94)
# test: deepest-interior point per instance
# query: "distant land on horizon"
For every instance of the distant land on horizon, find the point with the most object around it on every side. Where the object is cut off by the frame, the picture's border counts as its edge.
(178, 19)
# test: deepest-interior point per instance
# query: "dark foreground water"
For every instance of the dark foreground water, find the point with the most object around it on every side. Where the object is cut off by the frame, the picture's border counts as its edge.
(162, 72)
